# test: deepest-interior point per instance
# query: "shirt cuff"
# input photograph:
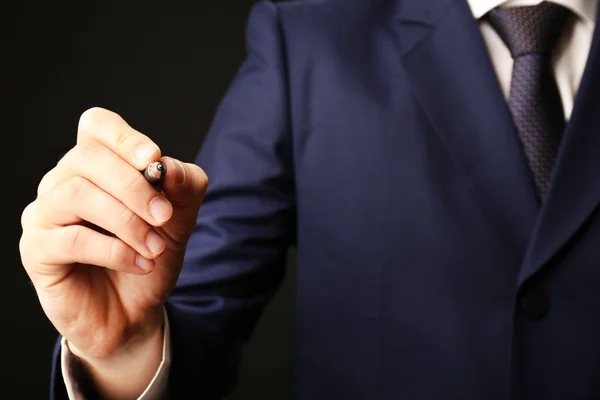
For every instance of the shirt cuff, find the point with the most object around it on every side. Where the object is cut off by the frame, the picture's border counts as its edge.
(157, 389)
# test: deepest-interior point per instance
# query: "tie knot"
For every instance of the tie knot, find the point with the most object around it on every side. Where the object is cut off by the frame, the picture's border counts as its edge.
(529, 29)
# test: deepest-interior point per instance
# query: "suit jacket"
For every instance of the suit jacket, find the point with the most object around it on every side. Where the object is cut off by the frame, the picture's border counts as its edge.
(373, 136)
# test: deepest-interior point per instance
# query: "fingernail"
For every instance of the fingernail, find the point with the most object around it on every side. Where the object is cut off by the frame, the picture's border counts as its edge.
(160, 209)
(182, 175)
(144, 151)
(144, 263)
(155, 243)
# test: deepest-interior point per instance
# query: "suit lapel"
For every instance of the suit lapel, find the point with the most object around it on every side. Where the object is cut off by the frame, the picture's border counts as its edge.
(575, 188)
(453, 80)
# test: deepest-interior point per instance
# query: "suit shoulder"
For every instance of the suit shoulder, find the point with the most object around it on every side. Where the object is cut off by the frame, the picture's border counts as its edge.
(330, 12)
(321, 5)
(318, 21)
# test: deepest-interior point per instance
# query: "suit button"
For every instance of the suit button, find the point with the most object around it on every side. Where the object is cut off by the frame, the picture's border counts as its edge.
(534, 304)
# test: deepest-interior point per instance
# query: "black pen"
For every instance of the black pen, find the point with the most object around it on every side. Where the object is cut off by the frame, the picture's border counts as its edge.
(155, 172)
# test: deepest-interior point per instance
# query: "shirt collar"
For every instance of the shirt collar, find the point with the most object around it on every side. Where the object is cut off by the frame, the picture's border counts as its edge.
(584, 9)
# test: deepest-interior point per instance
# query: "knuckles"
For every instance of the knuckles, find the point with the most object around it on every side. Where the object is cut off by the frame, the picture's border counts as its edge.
(70, 164)
(45, 183)
(28, 215)
(71, 239)
(74, 189)
(127, 218)
(131, 181)
(100, 125)
(118, 253)
(124, 137)
(92, 119)
(23, 250)
(83, 153)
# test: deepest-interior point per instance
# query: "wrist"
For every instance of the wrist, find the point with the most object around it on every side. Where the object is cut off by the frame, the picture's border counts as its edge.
(132, 341)
(126, 372)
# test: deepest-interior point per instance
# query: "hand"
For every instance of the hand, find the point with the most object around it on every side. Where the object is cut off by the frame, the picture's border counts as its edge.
(102, 247)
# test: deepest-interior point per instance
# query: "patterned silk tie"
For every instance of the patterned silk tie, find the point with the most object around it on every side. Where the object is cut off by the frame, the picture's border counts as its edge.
(530, 33)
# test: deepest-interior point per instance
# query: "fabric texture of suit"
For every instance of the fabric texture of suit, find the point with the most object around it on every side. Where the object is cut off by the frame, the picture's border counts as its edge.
(374, 137)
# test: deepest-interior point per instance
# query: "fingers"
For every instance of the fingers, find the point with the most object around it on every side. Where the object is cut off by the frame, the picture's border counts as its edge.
(78, 199)
(100, 181)
(79, 244)
(109, 129)
(100, 165)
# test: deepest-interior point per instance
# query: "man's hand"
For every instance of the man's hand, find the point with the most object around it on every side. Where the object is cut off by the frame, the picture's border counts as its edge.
(104, 248)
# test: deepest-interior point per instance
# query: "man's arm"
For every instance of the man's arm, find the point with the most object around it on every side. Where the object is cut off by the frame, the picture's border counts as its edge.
(78, 386)
(235, 258)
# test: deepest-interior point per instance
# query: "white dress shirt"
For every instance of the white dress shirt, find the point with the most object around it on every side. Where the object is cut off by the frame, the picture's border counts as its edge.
(569, 61)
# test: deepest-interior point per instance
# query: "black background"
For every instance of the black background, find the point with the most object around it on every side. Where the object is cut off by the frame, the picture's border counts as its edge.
(164, 70)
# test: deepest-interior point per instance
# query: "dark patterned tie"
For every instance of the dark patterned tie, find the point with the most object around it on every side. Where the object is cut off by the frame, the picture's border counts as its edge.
(530, 33)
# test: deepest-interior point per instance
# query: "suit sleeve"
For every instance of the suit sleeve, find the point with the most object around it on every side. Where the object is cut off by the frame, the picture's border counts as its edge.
(236, 256)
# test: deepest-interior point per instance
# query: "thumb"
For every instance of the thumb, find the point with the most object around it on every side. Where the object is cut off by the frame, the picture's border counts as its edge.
(184, 185)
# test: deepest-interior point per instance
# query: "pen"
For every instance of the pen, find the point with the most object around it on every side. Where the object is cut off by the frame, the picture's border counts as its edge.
(154, 173)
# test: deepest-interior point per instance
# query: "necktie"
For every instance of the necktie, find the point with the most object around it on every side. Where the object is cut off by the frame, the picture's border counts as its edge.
(530, 33)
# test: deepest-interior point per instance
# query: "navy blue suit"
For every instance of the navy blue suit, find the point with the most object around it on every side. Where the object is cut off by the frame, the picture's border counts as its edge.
(374, 137)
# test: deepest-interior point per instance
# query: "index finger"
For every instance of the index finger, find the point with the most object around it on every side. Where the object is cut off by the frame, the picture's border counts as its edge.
(109, 129)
